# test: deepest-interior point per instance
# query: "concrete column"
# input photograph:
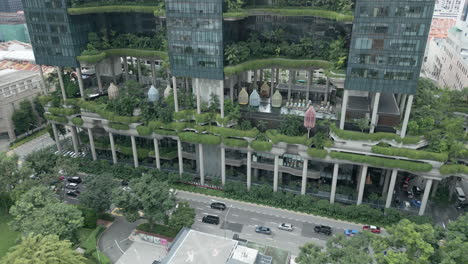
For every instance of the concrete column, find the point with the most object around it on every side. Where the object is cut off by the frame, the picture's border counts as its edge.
(231, 88)
(223, 166)
(261, 75)
(336, 167)
(275, 174)
(114, 78)
(80, 82)
(221, 99)
(344, 105)
(43, 83)
(325, 99)
(391, 188)
(362, 184)
(398, 98)
(98, 77)
(277, 75)
(382, 178)
(91, 143)
(176, 102)
(135, 153)
(425, 197)
(272, 81)
(153, 72)
(75, 140)
(187, 86)
(62, 86)
(434, 189)
(139, 69)
(255, 77)
(375, 111)
(402, 105)
(179, 154)
(56, 137)
(114, 153)
(249, 169)
(291, 76)
(304, 177)
(409, 104)
(202, 166)
(197, 95)
(125, 68)
(309, 84)
(387, 181)
(156, 153)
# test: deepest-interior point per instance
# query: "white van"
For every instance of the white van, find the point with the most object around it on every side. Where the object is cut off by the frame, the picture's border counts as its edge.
(460, 194)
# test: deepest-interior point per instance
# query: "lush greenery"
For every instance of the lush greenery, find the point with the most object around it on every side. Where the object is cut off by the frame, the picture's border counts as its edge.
(261, 146)
(317, 153)
(306, 12)
(453, 169)
(199, 138)
(383, 162)
(410, 153)
(353, 135)
(89, 244)
(183, 216)
(158, 229)
(8, 235)
(98, 192)
(27, 117)
(236, 143)
(335, 5)
(43, 249)
(27, 139)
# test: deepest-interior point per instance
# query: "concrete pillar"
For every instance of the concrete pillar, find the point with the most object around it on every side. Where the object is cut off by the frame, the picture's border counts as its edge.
(327, 91)
(402, 105)
(156, 153)
(153, 72)
(304, 177)
(125, 68)
(91, 144)
(362, 184)
(75, 140)
(176, 101)
(249, 169)
(434, 189)
(309, 84)
(179, 154)
(375, 111)
(202, 166)
(425, 197)
(43, 83)
(398, 98)
(139, 69)
(98, 77)
(223, 166)
(80, 82)
(272, 82)
(56, 137)
(114, 78)
(344, 105)
(197, 95)
(231, 88)
(135, 153)
(336, 167)
(221, 98)
(187, 86)
(255, 174)
(382, 178)
(275, 174)
(255, 77)
(277, 75)
(114, 153)
(409, 104)
(62, 86)
(391, 188)
(261, 75)
(290, 82)
(387, 181)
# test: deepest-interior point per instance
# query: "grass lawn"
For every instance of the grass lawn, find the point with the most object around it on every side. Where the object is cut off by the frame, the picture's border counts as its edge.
(8, 236)
(88, 240)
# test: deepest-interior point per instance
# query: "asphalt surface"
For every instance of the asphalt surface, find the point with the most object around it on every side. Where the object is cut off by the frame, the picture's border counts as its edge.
(242, 218)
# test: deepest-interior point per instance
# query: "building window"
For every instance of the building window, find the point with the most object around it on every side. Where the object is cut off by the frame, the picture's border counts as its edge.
(364, 73)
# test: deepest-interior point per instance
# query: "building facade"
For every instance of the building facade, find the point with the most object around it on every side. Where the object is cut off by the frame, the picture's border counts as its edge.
(11, 6)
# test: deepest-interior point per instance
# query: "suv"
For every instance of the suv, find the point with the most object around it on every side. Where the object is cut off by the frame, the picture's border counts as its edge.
(75, 179)
(326, 230)
(210, 219)
(219, 206)
(72, 185)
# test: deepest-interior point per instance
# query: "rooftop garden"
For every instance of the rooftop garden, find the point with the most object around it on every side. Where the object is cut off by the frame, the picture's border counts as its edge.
(80, 7)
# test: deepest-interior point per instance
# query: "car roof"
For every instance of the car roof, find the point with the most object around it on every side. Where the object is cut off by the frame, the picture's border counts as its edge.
(72, 183)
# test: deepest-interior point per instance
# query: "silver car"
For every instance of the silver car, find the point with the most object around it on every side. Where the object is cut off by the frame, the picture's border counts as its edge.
(286, 227)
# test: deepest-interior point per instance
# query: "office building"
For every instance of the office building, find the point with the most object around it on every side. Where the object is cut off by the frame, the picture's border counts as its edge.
(13, 27)
(11, 6)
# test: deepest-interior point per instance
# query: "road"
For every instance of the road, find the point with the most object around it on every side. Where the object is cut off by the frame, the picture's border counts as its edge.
(242, 218)
(33, 145)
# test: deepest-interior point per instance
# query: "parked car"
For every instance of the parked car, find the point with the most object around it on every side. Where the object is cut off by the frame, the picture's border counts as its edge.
(218, 206)
(73, 193)
(409, 193)
(351, 232)
(210, 219)
(373, 229)
(263, 230)
(286, 227)
(415, 203)
(124, 183)
(326, 230)
(72, 185)
(74, 179)
(417, 190)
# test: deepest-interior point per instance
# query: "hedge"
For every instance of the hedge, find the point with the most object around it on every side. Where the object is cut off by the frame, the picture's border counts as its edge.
(139, 53)
(78, 121)
(453, 169)
(22, 141)
(276, 62)
(165, 132)
(118, 126)
(199, 138)
(63, 111)
(141, 152)
(307, 12)
(158, 230)
(353, 135)
(261, 145)
(112, 9)
(236, 143)
(317, 153)
(58, 119)
(235, 15)
(410, 153)
(383, 162)
(204, 118)
(45, 99)
(277, 137)
(100, 109)
(144, 130)
(231, 132)
(185, 114)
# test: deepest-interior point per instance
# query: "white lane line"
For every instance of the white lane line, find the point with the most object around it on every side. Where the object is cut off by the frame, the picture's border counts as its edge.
(255, 219)
(236, 215)
(201, 209)
(123, 240)
(119, 247)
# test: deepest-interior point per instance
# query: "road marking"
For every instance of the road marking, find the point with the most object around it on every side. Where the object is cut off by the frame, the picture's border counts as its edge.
(201, 209)
(235, 215)
(119, 247)
(255, 219)
(138, 255)
(123, 240)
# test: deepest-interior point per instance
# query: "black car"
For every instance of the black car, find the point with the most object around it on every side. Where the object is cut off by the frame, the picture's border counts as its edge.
(75, 179)
(219, 206)
(210, 219)
(73, 193)
(326, 230)
(417, 190)
(124, 183)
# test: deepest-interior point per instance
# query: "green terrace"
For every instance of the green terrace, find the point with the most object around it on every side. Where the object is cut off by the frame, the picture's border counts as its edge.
(289, 11)
(284, 63)
(98, 56)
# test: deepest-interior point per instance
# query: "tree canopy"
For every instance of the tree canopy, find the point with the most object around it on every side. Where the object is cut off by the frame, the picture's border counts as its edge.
(98, 192)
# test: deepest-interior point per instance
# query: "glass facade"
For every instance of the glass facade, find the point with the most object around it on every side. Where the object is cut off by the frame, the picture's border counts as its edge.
(56, 37)
(195, 33)
(387, 45)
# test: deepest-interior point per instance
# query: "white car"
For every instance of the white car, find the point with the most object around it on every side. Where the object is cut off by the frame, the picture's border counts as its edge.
(286, 227)
(72, 186)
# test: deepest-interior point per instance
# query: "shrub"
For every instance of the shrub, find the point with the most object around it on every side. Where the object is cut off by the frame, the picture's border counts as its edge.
(144, 130)
(277, 137)
(199, 138)
(90, 217)
(158, 230)
(204, 118)
(184, 115)
(45, 99)
(118, 126)
(106, 217)
(317, 153)
(237, 143)
(231, 132)
(58, 119)
(308, 12)
(410, 153)
(165, 132)
(78, 121)
(63, 111)
(261, 145)
(353, 135)
(383, 162)
(453, 169)
(275, 62)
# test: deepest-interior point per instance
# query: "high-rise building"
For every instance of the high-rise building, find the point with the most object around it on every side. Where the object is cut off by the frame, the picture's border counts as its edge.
(264, 65)
(11, 6)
